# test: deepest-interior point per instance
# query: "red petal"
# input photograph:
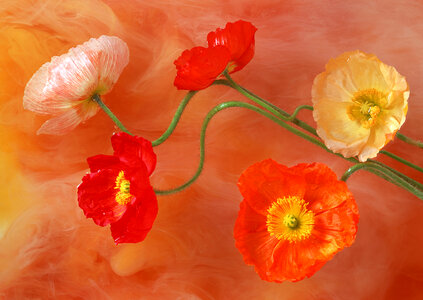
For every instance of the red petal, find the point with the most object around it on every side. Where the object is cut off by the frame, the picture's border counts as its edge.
(253, 240)
(138, 219)
(101, 161)
(264, 182)
(133, 149)
(238, 37)
(96, 197)
(199, 67)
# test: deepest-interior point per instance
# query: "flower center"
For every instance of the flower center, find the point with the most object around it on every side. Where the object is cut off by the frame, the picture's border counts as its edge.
(367, 106)
(289, 219)
(123, 196)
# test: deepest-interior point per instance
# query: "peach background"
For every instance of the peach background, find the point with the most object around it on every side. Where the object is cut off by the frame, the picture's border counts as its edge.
(48, 250)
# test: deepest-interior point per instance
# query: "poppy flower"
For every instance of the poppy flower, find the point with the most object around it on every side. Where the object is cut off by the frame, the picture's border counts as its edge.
(64, 87)
(293, 220)
(238, 37)
(359, 104)
(198, 67)
(117, 191)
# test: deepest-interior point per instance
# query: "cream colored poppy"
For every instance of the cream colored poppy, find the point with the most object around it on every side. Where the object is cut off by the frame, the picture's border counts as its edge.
(359, 104)
(64, 86)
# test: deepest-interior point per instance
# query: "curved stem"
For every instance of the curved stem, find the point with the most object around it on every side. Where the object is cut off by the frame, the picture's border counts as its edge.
(103, 106)
(415, 189)
(229, 104)
(409, 140)
(175, 119)
(305, 126)
(266, 104)
(402, 160)
(403, 176)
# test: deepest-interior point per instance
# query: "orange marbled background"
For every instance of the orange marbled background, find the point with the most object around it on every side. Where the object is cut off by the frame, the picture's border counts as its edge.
(48, 250)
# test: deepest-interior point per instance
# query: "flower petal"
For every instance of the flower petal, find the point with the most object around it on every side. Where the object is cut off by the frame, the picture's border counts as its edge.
(264, 182)
(238, 37)
(102, 161)
(294, 262)
(334, 218)
(337, 130)
(359, 104)
(67, 80)
(323, 189)
(113, 56)
(133, 149)
(253, 240)
(138, 219)
(68, 120)
(198, 67)
(96, 197)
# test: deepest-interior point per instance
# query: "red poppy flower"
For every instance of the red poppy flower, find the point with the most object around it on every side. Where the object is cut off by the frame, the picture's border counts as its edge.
(293, 220)
(199, 67)
(118, 190)
(238, 37)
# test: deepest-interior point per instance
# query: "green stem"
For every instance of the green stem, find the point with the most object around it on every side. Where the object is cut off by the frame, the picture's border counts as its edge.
(103, 106)
(402, 160)
(403, 176)
(229, 104)
(392, 177)
(267, 105)
(175, 119)
(310, 129)
(409, 140)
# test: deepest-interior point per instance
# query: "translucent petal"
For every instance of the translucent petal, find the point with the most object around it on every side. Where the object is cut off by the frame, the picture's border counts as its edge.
(93, 67)
(69, 119)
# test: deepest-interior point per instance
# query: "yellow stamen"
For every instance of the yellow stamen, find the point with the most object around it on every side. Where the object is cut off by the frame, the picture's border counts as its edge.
(123, 196)
(289, 219)
(367, 106)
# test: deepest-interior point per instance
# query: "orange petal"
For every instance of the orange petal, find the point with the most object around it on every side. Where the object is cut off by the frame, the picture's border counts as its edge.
(264, 182)
(253, 240)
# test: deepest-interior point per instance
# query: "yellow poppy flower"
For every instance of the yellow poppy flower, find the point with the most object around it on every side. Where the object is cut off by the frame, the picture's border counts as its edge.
(359, 104)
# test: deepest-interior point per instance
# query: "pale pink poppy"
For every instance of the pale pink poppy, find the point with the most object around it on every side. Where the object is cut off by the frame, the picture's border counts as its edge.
(64, 87)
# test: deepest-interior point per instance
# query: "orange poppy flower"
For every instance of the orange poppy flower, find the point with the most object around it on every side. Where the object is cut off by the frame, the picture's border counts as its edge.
(64, 87)
(293, 220)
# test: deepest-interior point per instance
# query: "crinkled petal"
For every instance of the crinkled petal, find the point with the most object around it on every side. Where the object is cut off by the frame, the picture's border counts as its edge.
(67, 80)
(264, 182)
(335, 225)
(377, 139)
(335, 86)
(69, 119)
(238, 37)
(198, 67)
(97, 197)
(253, 240)
(138, 219)
(134, 150)
(113, 56)
(294, 262)
(337, 130)
(101, 161)
(323, 189)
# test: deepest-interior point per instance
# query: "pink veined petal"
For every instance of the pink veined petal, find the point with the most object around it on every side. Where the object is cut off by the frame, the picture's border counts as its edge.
(35, 98)
(92, 67)
(68, 120)
(113, 58)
